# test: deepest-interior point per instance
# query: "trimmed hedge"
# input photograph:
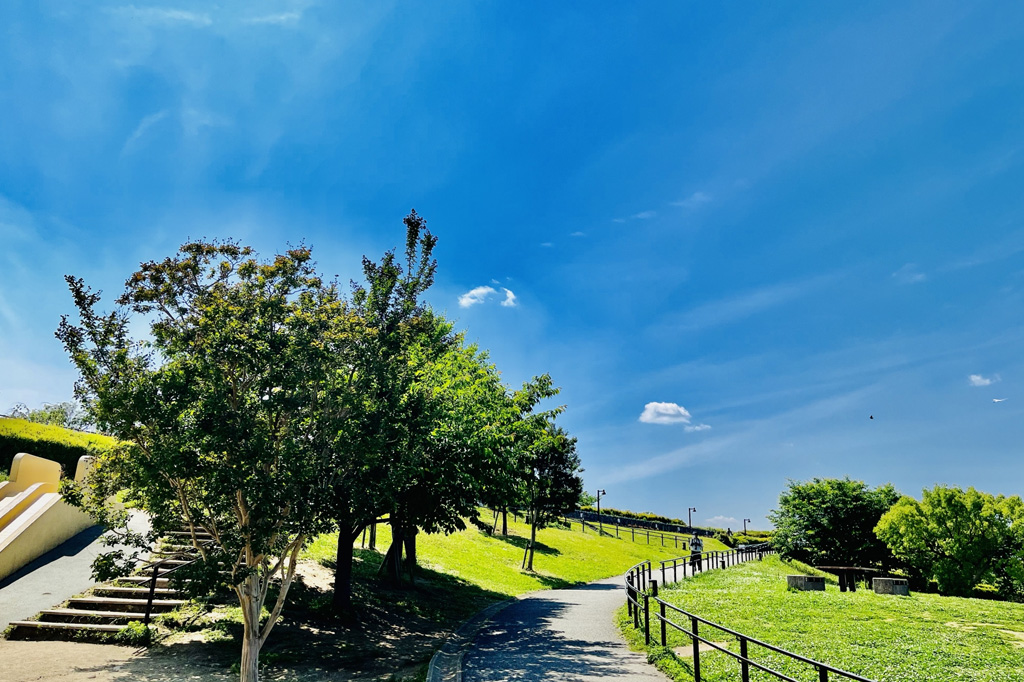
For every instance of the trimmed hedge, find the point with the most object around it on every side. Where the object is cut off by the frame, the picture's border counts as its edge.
(51, 442)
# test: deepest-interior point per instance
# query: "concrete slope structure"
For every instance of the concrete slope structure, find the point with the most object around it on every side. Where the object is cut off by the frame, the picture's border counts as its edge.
(33, 517)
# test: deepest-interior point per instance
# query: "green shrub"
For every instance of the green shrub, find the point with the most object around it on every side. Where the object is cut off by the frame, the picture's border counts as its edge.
(133, 634)
(63, 446)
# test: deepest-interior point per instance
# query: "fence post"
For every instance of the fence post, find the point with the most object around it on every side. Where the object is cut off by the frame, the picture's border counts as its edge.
(662, 572)
(675, 576)
(648, 536)
(632, 534)
(664, 638)
(744, 666)
(696, 649)
(629, 593)
(647, 619)
(822, 674)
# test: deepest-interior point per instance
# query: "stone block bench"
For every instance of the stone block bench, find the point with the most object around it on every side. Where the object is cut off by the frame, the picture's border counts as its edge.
(806, 583)
(897, 586)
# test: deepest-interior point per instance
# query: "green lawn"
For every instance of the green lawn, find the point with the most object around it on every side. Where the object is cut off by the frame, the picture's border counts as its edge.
(492, 563)
(920, 638)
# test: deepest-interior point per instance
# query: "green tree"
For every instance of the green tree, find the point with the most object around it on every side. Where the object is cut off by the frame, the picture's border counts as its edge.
(549, 466)
(831, 521)
(68, 414)
(214, 408)
(959, 537)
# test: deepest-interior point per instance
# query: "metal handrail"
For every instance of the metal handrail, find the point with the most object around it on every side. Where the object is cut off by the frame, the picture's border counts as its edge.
(639, 584)
(156, 574)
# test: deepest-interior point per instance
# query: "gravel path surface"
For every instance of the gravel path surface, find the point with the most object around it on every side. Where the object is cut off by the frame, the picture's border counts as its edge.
(558, 635)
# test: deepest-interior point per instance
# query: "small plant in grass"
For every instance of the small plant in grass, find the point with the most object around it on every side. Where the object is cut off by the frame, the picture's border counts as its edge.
(133, 634)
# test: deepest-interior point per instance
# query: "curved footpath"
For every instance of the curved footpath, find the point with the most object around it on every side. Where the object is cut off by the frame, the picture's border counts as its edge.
(556, 635)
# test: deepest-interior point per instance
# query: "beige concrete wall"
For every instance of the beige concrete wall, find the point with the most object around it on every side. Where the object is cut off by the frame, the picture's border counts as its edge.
(33, 517)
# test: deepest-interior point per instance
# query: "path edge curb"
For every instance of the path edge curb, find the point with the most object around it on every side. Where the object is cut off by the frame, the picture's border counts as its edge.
(446, 664)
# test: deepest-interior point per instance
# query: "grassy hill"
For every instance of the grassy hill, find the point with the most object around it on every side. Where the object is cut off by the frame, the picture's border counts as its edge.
(52, 442)
(920, 638)
(492, 562)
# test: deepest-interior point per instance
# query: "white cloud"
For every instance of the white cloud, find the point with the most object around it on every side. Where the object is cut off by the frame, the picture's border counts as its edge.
(693, 201)
(161, 15)
(723, 522)
(698, 427)
(744, 305)
(909, 274)
(644, 215)
(474, 296)
(278, 19)
(483, 294)
(664, 413)
(144, 125)
(979, 380)
(578, 234)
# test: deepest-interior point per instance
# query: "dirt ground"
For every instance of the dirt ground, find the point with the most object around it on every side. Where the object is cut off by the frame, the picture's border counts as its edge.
(391, 638)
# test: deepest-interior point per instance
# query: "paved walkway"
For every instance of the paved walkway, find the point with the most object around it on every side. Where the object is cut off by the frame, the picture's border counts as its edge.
(558, 635)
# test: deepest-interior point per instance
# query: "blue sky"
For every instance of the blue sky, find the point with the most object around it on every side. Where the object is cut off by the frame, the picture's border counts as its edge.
(732, 232)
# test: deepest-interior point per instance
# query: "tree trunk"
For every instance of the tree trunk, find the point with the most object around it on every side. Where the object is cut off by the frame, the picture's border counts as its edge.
(251, 657)
(391, 568)
(504, 521)
(373, 535)
(410, 553)
(342, 598)
(533, 539)
(250, 603)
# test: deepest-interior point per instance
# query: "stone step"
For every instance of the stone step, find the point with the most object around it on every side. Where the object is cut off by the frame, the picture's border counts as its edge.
(123, 604)
(87, 627)
(145, 579)
(134, 591)
(73, 615)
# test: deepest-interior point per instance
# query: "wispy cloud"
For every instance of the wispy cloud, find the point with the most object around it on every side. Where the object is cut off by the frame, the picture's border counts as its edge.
(693, 201)
(547, 245)
(483, 294)
(723, 521)
(642, 215)
(578, 234)
(281, 19)
(664, 413)
(979, 380)
(698, 427)
(909, 274)
(164, 16)
(744, 305)
(145, 124)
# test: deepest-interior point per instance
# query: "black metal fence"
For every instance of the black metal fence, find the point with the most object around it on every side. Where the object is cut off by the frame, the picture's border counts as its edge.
(644, 605)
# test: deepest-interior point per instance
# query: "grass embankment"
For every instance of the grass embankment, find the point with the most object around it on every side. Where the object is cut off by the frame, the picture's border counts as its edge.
(562, 558)
(392, 632)
(920, 638)
(51, 442)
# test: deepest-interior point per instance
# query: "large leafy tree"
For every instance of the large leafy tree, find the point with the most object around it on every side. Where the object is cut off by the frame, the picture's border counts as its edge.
(959, 537)
(831, 521)
(215, 408)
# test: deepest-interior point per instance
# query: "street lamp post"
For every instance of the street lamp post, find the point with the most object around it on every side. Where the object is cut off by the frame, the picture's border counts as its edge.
(600, 528)
(745, 526)
(689, 517)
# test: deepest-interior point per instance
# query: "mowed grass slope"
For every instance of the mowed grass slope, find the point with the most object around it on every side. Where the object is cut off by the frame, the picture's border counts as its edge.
(51, 442)
(920, 638)
(493, 562)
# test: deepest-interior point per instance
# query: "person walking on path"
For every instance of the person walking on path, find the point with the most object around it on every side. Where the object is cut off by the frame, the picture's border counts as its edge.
(696, 549)
(558, 635)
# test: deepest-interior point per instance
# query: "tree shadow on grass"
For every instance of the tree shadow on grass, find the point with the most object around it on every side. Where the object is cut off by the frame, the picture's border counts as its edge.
(521, 543)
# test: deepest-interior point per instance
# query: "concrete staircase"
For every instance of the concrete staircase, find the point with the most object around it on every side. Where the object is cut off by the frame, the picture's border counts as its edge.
(111, 606)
